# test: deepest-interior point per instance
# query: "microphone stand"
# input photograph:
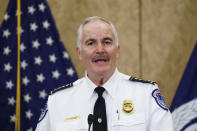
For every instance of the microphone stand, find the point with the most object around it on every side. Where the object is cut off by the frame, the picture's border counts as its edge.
(90, 120)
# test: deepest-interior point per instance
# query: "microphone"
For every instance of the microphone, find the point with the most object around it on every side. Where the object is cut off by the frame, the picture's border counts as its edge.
(90, 120)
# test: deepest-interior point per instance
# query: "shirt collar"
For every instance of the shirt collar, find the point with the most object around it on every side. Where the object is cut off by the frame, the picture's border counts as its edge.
(110, 84)
(107, 85)
(91, 86)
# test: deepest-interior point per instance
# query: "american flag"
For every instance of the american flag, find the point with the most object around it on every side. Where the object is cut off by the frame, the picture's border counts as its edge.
(45, 64)
(184, 105)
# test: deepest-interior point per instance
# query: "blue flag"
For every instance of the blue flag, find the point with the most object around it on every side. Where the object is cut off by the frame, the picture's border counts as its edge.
(184, 105)
(45, 64)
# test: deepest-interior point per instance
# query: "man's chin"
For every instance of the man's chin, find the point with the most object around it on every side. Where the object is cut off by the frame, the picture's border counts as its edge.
(102, 71)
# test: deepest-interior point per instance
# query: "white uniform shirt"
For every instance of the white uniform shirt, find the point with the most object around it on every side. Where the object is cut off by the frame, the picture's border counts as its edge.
(68, 109)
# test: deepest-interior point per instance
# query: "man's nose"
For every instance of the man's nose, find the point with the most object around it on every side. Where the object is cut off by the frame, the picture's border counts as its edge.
(100, 47)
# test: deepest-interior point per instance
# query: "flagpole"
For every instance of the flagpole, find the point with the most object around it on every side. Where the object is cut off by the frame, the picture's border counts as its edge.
(18, 91)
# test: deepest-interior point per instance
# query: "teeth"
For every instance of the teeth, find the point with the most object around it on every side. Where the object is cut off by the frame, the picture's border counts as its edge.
(100, 60)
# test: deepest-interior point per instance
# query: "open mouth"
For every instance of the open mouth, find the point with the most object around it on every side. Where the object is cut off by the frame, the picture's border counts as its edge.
(99, 59)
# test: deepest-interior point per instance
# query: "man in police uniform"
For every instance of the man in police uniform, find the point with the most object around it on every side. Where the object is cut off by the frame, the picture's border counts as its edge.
(131, 104)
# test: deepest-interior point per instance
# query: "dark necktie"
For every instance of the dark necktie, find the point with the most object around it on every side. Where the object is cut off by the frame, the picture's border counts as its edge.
(100, 121)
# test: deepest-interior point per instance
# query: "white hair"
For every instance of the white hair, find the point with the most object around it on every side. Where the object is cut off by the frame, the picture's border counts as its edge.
(94, 18)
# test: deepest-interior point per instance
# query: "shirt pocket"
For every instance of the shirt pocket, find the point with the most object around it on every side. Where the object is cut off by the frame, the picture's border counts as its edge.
(132, 122)
(75, 125)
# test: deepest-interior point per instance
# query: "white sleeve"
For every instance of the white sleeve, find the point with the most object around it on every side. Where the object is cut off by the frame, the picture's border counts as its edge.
(160, 118)
(44, 121)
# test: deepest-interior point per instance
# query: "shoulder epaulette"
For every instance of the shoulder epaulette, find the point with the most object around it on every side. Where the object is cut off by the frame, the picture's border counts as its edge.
(61, 87)
(141, 80)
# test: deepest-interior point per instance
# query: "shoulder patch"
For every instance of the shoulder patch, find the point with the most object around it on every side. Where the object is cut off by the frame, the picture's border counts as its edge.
(141, 80)
(159, 99)
(61, 87)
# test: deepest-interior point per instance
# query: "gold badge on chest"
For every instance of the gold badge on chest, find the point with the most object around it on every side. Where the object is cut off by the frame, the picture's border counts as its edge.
(127, 107)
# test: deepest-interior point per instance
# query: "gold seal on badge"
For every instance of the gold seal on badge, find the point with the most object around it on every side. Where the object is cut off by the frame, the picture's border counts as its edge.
(127, 106)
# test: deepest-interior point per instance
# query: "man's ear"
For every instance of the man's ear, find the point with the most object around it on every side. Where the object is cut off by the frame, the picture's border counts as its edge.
(78, 52)
(118, 52)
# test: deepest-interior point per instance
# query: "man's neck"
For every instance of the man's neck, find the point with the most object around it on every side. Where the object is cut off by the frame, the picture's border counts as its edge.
(99, 80)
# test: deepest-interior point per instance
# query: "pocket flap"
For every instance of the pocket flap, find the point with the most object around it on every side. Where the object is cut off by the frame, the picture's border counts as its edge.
(133, 119)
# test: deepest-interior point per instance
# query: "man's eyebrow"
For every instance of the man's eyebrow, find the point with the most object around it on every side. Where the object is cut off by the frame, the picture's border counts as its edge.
(108, 38)
(91, 39)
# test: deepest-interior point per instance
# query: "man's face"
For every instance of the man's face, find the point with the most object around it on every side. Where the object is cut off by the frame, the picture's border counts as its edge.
(98, 48)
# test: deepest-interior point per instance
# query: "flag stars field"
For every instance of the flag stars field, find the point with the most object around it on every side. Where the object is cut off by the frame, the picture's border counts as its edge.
(46, 24)
(38, 60)
(31, 10)
(35, 44)
(25, 80)
(7, 67)
(6, 33)
(45, 64)
(18, 13)
(27, 98)
(21, 30)
(33, 26)
(9, 84)
(70, 71)
(41, 7)
(55, 74)
(11, 101)
(49, 41)
(22, 47)
(65, 55)
(52, 58)
(24, 64)
(42, 94)
(6, 17)
(6, 50)
(28, 114)
(13, 118)
(40, 78)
